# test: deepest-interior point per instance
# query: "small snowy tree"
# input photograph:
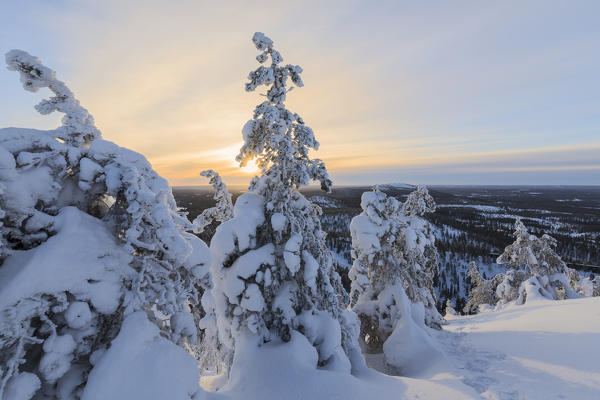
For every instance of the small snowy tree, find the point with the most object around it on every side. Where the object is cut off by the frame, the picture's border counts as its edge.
(450, 308)
(418, 203)
(90, 234)
(537, 256)
(210, 352)
(419, 251)
(221, 212)
(391, 240)
(272, 271)
(394, 262)
(481, 292)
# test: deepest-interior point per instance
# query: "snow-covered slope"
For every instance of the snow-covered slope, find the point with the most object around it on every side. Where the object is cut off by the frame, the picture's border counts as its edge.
(541, 350)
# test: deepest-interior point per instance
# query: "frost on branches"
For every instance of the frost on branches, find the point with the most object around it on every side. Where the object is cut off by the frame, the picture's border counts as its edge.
(395, 260)
(78, 125)
(482, 290)
(547, 272)
(271, 268)
(90, 234)
(221, 212)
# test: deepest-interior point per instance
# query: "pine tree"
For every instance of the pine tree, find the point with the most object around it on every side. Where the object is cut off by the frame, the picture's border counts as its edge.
(272, 271)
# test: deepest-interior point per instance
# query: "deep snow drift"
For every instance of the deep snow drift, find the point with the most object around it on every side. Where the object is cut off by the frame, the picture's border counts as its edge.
(541, 350)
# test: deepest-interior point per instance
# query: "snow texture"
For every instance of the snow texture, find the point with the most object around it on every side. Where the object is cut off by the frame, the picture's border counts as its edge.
(223, 210)
(89, 234)
(140, 364)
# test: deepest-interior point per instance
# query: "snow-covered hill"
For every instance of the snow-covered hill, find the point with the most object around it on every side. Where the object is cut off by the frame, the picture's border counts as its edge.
(541, 350)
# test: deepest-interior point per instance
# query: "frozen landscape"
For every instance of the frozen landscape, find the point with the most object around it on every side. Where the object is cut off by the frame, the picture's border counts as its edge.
(116, 285)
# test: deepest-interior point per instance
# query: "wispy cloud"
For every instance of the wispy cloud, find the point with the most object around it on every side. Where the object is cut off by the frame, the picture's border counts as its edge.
(392, 88)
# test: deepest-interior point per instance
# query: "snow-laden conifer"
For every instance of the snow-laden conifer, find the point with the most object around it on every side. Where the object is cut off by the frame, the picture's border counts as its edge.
(272, 271)
(481, 291)
(91, 233)
(548, 273)
(394, 261)
(418, 203)
(223, 209)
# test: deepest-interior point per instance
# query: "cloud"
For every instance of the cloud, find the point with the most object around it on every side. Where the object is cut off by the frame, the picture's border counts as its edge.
(391, 86)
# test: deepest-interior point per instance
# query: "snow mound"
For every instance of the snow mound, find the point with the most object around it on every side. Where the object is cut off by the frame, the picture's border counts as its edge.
(140, 364)
(540, 350)
(288, 371)
(87, 268)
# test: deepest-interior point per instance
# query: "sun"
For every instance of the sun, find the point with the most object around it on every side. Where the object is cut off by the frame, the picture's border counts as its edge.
(250, 168)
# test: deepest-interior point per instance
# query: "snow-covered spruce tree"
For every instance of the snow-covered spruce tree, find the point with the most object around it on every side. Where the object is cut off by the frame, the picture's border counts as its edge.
(391, 240)
(392, 273)
(481, 291)
(548, 272)
(507, 286)
(419, 251)
(418, 203)
(221, 212)
(90, 235)
(210, 352)
(272, 272)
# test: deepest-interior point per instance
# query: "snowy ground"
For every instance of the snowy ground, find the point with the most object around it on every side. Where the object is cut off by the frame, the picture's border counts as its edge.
(544, 350)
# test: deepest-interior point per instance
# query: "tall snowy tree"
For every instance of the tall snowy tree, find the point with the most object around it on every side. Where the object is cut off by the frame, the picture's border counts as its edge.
(394, 262)
(272, 271)
(91, 234)
(548, 272)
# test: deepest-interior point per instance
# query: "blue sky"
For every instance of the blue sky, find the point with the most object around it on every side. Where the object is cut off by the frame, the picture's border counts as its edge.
(465, 92)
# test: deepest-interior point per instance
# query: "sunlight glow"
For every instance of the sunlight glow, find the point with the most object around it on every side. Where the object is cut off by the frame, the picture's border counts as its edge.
(251, 168)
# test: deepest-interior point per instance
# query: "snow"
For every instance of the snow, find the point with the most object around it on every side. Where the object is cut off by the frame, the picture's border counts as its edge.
(22, 386)
(534, 351)
(480, 207)
(233, 278)
(311, 268)
(291, 252)
(78, 315)
(542, 350)
(288, 371)
(409, 350)
(278, 222)
(183, 326)
(90, 269)
(253, 299)
(141, 365)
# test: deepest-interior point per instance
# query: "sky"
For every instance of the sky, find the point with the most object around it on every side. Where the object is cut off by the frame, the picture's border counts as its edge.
(435, 92)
